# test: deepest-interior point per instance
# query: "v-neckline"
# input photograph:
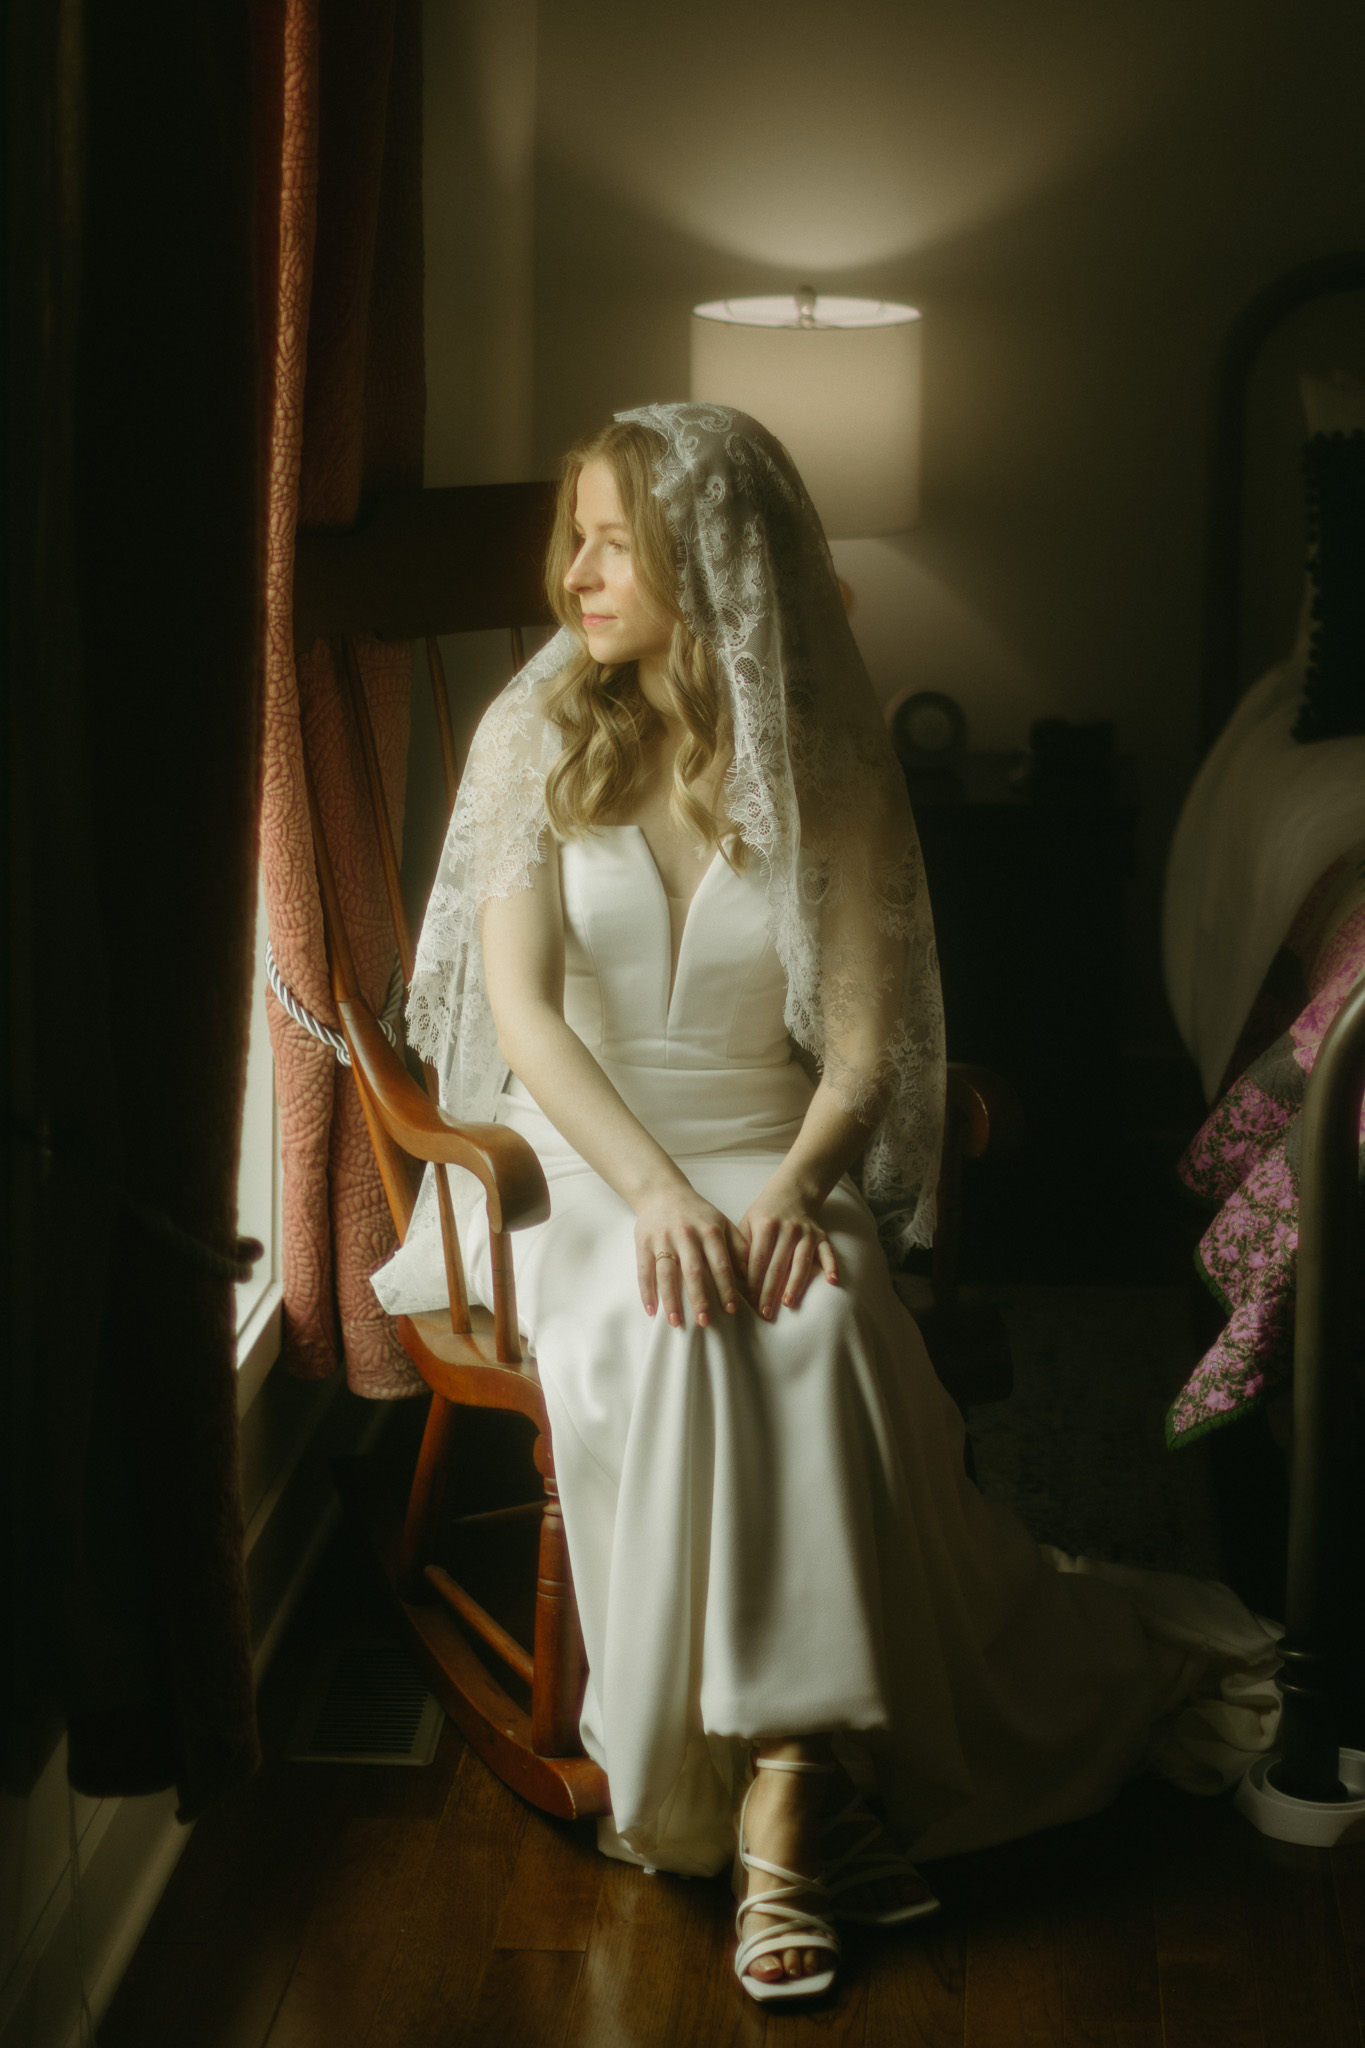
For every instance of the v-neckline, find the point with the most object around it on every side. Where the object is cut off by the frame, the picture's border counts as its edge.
(674, 972)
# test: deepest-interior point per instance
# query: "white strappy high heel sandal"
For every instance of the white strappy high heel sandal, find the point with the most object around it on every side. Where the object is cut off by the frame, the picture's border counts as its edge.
(869, 1857)
(796, 1926)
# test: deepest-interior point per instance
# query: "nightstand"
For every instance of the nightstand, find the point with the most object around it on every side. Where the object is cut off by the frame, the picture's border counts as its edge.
(1028, 896)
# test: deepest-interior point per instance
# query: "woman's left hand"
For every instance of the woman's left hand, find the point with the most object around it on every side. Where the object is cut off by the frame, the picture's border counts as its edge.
(787, 1245)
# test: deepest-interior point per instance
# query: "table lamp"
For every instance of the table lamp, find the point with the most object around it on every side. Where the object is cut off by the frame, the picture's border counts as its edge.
(838, 381)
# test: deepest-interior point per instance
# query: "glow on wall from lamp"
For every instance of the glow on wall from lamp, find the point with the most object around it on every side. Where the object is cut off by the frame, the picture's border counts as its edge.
(898, 129)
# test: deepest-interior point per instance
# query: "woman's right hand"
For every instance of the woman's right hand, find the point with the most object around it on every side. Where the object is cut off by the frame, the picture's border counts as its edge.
(685, 1247)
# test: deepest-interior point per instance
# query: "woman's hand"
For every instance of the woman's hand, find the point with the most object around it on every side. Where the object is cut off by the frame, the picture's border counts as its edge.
(787, 1245)
(684, 1246)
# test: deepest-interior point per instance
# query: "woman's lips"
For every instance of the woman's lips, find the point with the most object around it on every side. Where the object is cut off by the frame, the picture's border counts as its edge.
(597, 618)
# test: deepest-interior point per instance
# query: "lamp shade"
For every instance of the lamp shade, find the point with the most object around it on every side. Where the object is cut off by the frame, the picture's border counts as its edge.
(838, 381)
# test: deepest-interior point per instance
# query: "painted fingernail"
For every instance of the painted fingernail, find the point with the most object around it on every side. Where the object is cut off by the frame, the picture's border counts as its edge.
(675, 1320)
(731, 1308)
(702, 1320)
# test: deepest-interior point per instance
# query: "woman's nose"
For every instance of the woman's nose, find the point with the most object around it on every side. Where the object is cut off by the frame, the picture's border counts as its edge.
(582, 574)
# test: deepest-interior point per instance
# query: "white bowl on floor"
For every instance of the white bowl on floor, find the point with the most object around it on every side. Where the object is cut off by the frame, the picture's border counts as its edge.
(1320, 1823)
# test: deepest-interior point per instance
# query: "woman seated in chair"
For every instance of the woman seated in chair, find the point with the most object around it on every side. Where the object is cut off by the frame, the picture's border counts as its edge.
(680, 940)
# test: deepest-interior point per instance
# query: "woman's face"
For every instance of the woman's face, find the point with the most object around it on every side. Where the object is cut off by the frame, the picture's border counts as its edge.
(618, 622)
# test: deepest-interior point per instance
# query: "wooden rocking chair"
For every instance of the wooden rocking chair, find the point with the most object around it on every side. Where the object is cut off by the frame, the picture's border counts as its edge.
(422, 564)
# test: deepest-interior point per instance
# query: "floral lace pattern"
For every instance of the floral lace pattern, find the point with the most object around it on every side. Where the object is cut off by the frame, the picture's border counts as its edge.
(814, 791)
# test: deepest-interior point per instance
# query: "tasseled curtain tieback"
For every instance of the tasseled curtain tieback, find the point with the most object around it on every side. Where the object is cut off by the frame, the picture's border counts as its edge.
(301, 1014)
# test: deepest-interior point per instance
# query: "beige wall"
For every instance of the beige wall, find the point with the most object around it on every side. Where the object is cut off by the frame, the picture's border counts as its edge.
(1079, 197)
(478, 122)
(478, 170)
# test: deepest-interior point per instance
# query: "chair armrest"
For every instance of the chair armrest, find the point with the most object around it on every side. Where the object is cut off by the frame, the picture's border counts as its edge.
(987, 1113)
(501, 1159)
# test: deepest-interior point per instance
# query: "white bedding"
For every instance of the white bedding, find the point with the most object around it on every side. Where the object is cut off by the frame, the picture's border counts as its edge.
(1263, 819)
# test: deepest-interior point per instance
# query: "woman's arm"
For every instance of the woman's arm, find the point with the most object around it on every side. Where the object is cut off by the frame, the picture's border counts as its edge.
(862, 975)
(786, 1239)
(681, 1241)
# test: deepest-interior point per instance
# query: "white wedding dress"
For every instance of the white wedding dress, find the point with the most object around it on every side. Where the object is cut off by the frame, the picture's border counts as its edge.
(770, 1528)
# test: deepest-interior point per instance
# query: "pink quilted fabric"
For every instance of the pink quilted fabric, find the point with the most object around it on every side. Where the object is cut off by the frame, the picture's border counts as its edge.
(1246, 1159)
(348, 416)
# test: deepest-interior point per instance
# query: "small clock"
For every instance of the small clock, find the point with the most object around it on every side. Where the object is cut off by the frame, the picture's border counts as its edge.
(928, 729)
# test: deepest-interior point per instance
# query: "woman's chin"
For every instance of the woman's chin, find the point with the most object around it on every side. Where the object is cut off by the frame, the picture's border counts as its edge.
(609, 650)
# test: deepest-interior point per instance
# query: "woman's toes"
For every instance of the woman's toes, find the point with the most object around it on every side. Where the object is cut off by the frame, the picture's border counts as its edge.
(802, 1962)
(791, 1963)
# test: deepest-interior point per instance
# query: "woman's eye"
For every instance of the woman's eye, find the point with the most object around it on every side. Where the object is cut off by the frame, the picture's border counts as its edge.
(618, 547)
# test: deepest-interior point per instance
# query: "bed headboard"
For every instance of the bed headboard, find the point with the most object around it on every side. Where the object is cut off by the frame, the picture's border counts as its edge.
(1312, 319)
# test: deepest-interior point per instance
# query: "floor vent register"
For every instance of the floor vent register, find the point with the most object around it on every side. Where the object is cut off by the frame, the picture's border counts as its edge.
(367, 1704)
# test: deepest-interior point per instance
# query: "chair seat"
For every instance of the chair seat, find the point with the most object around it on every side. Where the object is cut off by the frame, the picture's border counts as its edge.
(465, 1367)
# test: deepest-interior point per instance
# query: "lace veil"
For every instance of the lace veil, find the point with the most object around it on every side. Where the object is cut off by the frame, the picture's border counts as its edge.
(815, 792)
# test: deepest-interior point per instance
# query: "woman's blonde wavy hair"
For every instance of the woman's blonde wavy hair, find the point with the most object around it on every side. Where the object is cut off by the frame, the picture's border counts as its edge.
(602, 712)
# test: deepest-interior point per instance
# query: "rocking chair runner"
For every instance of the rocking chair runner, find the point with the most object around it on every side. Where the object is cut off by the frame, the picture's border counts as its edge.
(423, 564)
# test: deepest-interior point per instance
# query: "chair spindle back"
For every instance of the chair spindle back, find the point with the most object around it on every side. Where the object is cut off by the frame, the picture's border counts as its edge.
(420, 564)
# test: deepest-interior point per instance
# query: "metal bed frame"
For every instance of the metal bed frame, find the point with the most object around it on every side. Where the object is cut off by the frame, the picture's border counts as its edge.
(1317, 1656)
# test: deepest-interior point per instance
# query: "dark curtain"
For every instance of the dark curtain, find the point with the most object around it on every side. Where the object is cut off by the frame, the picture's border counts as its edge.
(136, 498)
(154, 182)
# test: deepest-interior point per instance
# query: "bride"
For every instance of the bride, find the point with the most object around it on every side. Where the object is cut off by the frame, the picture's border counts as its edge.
(680, 940)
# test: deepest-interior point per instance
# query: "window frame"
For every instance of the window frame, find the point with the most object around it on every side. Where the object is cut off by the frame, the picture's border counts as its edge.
(260, 1191)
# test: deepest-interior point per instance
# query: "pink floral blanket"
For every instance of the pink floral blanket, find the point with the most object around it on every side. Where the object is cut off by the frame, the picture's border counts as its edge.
(1245, 1158)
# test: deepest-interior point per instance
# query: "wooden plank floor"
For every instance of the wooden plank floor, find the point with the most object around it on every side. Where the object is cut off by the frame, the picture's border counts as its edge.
(335, 1906)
